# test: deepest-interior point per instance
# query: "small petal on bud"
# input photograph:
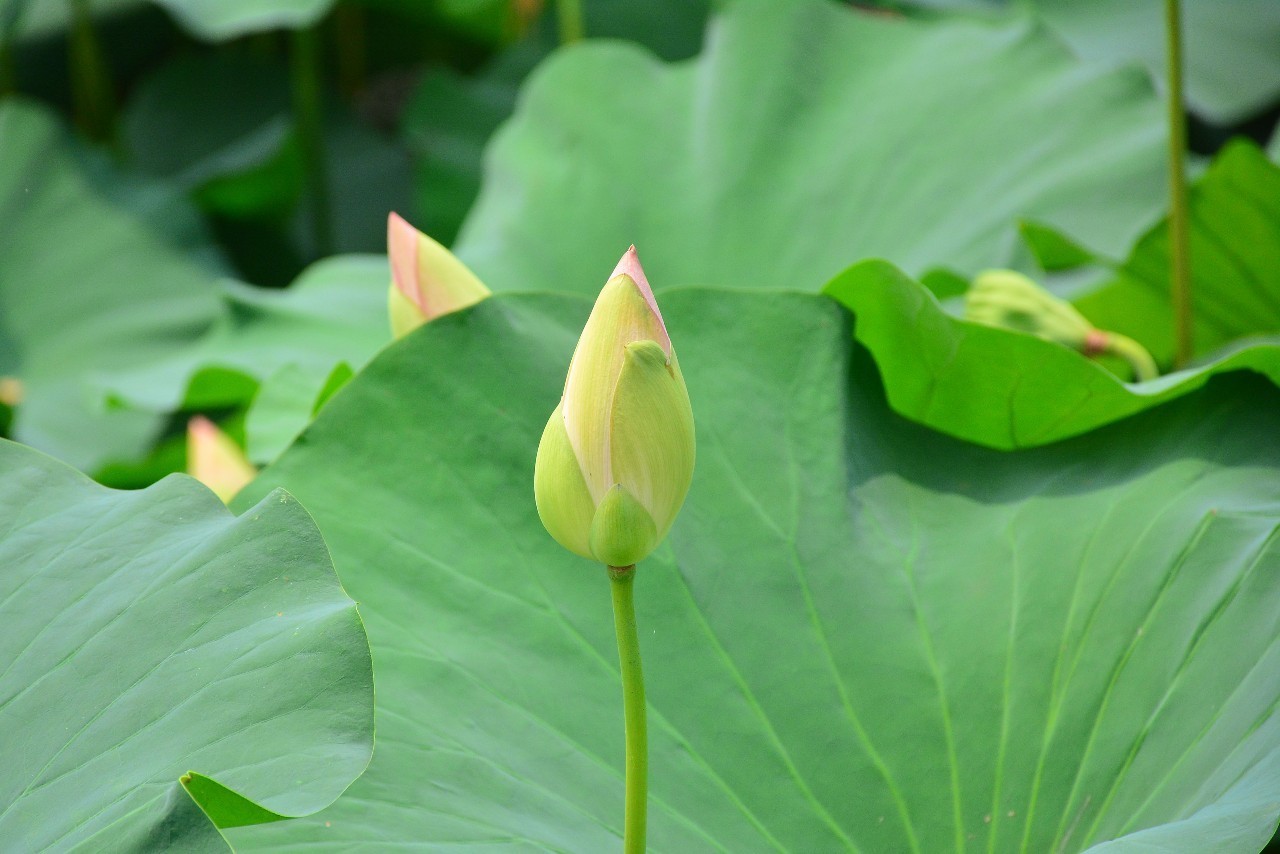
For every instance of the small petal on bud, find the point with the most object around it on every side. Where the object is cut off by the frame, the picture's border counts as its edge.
(651, 444)
(617, 456)
(215, 460)
(564, 504)
(622, 532)
(427, 280)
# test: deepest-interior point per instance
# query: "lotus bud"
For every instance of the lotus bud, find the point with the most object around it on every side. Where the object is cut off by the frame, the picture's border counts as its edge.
(1010, 300)
(215, 460)
(10, 391)
(427, 280)
(616, 457)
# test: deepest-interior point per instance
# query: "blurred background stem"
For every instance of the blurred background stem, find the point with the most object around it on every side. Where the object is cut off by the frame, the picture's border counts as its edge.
(1179, 238)
(8, 79)
(92, 101)
(349, 38)
(308, 108)
(569, 13)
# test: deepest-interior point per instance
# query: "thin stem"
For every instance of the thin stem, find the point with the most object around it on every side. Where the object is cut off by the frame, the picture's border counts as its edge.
(8, 75)
(349, 33)
(307, 111)
(1140, 361)
(633, 708)
(91, 98)
(570, 14)
(1179, 238)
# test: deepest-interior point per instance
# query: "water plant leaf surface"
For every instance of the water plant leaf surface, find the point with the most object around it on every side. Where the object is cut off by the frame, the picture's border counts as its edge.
(805, 137)
(1231, 67)
(166, 668)
(91, 283)
(1235, 263)
(861, 634)
(997, 387)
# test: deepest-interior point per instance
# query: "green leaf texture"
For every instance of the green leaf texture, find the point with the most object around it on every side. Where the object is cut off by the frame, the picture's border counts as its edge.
(998, 387)
(861, 635)
(153, 640)
(805, 137)
(1235, 263)
(90, 284)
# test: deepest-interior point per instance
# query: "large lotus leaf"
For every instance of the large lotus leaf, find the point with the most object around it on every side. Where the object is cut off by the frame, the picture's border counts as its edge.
(1232, 67)
(805, 137)
(29, 19)
(861, 635)
(450, 117)
(227, 19)
(289, 341)
(220, 124)
(154, 642)
(997, 387)
(92, 281)
(1235, 262)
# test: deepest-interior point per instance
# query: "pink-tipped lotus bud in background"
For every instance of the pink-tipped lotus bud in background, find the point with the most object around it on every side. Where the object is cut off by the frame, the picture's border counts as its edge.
(427, 280)
(616, 457)
(10, 391)
(215, 460)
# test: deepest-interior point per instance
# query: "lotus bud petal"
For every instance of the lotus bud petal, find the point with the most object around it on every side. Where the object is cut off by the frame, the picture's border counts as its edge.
(10, 391)
(215, 460)
(427, 280)
(616, 457)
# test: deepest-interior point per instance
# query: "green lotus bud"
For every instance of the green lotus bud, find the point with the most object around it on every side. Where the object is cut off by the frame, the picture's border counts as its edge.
(427, 280)
(1010, 300)
(616, 457)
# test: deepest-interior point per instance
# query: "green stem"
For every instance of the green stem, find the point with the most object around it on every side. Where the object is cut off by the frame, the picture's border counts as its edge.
(1179, 239)
(308, 120)
(1140, 361)
(349, 30)
(622, 579)
(570, 14)
(8, 76)
(91, 96)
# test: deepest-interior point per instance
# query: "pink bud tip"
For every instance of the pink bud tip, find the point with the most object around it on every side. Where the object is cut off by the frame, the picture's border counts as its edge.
(202, 427)
(630, 266)
(402, 249)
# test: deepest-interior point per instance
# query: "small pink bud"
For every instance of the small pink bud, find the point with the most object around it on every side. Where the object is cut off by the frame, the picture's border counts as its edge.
(215, 460)
(427, 280)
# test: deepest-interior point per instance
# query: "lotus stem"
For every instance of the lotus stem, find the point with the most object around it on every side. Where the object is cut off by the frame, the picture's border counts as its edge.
(349, 32)
(622, 579)
(8, 75)
(570, 14)
(1140, 361)
(92, 101)
(308, 107)
(1179, 237)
